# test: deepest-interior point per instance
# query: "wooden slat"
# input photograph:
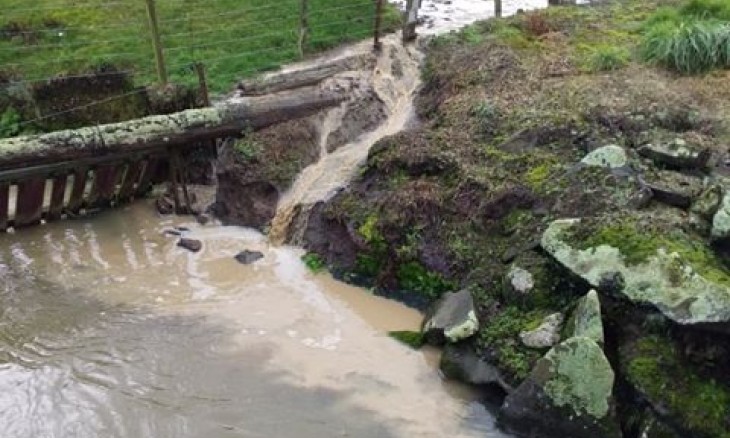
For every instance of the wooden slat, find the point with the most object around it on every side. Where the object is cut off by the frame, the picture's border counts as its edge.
(57, 194)
(77, 192)
(149, 173)
(104, 185)
(4, 198)
(30, 202)
(131, 177)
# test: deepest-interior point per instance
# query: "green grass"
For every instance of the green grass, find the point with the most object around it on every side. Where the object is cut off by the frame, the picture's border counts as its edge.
(691, 39)
(607, 58)
(233, 38)
(314, 262)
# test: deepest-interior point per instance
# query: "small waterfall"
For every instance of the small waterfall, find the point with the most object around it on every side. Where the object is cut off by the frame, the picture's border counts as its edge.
(394, 80)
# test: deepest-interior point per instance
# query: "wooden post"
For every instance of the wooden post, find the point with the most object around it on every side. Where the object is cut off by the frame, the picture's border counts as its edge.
(378, 25)
(157, 42)
(410, 21)
(303, 26)
(203, 83)
(497, 8)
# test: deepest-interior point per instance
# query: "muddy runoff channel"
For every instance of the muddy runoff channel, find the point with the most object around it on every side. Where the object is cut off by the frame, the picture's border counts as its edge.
(109, 329)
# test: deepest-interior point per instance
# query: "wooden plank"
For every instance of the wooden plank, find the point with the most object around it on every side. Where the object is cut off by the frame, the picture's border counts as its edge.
(149, 172)
(30, 202)
(57, 194)
(131, 178)
(104, 185)
(77, 192)
(4, 199)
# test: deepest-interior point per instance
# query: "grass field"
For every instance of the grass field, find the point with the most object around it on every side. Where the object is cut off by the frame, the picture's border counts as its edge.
(233, 38)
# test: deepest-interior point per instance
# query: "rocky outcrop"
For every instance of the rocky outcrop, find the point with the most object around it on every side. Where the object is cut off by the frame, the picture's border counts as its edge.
(657, 276)
(568, 394)
(452, 319)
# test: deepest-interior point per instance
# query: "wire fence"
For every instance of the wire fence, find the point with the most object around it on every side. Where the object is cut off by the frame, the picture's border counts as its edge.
(96, 42)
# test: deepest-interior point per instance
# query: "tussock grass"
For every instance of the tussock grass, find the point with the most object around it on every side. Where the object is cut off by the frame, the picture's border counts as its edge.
(694, 38)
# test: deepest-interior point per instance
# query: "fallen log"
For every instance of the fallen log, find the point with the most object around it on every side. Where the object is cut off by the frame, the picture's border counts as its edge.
(228, 119)
(292, 79)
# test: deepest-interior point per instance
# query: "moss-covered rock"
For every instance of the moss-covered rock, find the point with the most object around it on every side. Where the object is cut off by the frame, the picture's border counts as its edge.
(586, 320)
(568, 393)
(645, 269)
(693, 403)
(452, 319)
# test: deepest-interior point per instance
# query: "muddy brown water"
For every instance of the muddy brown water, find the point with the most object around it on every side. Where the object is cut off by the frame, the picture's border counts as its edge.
(108, 329)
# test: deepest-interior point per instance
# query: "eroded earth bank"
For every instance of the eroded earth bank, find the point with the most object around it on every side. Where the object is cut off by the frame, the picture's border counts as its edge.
(562, 210)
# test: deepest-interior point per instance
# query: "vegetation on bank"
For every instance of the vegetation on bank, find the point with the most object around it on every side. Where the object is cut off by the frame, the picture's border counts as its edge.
(43, 40)
(509, 108)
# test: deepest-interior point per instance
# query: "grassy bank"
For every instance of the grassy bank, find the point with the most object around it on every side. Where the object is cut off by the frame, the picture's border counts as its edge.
(234, 38)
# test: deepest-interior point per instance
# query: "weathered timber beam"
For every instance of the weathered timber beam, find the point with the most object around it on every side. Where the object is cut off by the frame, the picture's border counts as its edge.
(304, 77)
(186, 127)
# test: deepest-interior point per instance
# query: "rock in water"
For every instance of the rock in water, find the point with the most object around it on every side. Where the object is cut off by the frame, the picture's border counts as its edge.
(586, 319)
(460, 362)
(453, 318)
(247, 257)
(546, 335)
(568, 394)
(192, 245)
(667, 280)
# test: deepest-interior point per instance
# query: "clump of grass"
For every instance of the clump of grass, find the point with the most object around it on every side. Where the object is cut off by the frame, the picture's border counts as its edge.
(690, 40)
(314, 262)
(607, 58)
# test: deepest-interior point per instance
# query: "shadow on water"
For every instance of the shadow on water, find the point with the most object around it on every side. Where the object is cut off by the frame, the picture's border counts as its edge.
(72, 366)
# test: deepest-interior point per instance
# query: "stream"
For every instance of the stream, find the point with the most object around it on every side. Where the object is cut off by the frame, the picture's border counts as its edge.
(109, 329)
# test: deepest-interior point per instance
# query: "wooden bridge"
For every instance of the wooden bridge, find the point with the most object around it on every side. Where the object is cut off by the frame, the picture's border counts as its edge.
(44, 177)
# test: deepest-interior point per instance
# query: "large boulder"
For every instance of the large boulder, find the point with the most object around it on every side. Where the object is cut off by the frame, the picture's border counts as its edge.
(586, 321)
(568, 394)
(653, 274)
(452, 319)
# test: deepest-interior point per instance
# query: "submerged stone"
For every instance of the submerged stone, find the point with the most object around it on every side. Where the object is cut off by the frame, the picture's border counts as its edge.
(568, 394)
(453, 318)
(586, 319)
(247, 257)
(460, 362)
(663, 279)
(546, 334)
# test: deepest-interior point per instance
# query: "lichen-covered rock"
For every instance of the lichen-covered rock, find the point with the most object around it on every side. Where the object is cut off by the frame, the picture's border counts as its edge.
(460, 362)
(664, 279)
(611, 156)
(707, 204)
(586, 321)
(546, 334)
(568, 394)
(453, 318)
(675, 153)
(517, 284)
(721, 220)
(674, 188)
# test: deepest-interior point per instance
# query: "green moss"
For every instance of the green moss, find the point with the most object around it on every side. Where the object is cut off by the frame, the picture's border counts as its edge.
(369, 231)
(412, 276)
(501, 335)
(314, 262)
(637, 246)
(412, 339)
(700, 404)
(247, 149)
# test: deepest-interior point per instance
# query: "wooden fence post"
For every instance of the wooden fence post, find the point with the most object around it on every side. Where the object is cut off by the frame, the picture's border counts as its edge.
(411, 20)
(157, 42)
(497, 8)
(202, 83)
(303, 26)
(378, 25)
